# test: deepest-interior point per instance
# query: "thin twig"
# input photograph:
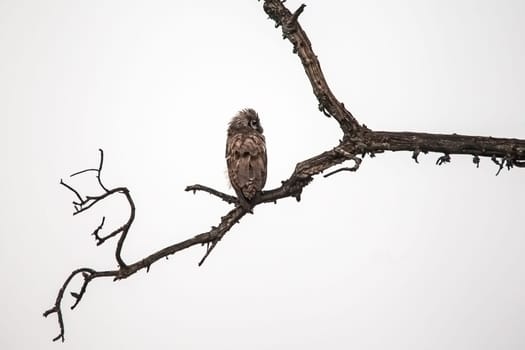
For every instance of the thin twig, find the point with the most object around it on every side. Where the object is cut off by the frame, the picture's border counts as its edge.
(82, 172)
(100, 169)
(97, 230)
(225, 197)
(57, 307)
(72, 190)
(209, 248)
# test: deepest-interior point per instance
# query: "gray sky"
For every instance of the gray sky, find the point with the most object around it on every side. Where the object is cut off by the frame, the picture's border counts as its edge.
(395, 256)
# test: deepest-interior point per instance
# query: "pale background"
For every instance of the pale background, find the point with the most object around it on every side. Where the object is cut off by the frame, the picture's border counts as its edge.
(395, 256)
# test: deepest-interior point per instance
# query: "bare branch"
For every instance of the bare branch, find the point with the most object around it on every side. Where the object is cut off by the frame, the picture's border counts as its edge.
(97, 230)
(98, 170)
(209, 248)
(82, 172)
(225, 197)
(212, 237)
(295, 16)
(291, 187)
(292, 31)
(357, 161)
(78, 296)
(359, 137)
(480, 146)
(72, 190)
(57, 308)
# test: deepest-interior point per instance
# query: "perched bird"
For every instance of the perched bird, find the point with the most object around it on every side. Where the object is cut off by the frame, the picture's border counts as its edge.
(246, 156)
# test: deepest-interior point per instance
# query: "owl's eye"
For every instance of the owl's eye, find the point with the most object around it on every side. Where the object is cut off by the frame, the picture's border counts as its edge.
(253, 123)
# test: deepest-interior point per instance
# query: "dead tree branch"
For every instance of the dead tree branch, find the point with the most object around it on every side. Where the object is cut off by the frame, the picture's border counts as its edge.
(357, 141)
(125, 270)
(225, 197)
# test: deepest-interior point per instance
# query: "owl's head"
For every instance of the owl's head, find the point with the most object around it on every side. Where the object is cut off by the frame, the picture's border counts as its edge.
(246, 120)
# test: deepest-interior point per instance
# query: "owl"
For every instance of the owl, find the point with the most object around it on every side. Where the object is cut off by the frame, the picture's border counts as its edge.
(246, 156)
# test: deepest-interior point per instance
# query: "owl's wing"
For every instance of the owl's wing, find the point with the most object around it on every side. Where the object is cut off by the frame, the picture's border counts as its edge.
(246, 159)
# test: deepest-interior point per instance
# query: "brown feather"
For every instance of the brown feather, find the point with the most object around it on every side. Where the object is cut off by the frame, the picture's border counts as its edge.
(246, 155)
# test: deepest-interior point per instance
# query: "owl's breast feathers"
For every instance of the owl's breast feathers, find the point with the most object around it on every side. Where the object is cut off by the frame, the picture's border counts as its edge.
(246, 159)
